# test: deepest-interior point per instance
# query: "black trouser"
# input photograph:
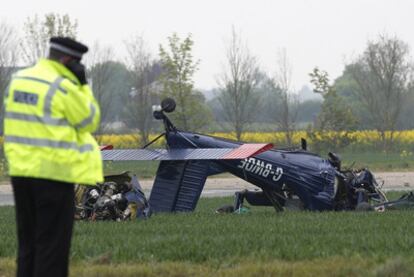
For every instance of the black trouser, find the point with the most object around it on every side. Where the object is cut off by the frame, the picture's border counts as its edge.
(44, 215)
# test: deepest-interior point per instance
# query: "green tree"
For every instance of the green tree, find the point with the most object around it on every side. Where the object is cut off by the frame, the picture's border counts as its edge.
(335, 115)
(346, 87)
(178, 68)
(309, 110)
(384, 78)
(37, 32)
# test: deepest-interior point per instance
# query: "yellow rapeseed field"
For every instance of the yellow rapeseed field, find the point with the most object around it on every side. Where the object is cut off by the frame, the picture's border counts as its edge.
(362, 139)
(127, 141)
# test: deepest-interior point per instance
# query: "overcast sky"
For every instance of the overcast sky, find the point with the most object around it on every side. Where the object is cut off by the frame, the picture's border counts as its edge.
(323, 33)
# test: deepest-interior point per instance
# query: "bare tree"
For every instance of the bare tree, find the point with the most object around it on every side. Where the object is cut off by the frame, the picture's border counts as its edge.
(8, 59)
(384, 75)
(144, 71)
(38, 32)
(101, 69)
(288, 106)
(238, 84)
(8, 55)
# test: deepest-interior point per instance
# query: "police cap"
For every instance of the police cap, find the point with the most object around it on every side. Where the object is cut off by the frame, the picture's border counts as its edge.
(68, 46)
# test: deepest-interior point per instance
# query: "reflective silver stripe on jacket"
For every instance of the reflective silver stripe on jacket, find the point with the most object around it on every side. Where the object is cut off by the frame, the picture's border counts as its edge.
(49, 143)
(47, 107)
(34, 79)
(89, 119)
(38, 119)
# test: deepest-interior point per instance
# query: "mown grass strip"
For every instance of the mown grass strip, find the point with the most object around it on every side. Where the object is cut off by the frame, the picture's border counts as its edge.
(204, 236)
(332, 266)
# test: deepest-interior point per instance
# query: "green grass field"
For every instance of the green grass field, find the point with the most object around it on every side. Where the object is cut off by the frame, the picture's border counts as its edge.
(379, 161)
(259, 243)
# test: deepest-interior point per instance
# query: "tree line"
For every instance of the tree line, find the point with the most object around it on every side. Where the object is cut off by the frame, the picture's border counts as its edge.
(375, 90)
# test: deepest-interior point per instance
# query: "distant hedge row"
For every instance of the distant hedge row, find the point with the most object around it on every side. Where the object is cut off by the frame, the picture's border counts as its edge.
(355, 141)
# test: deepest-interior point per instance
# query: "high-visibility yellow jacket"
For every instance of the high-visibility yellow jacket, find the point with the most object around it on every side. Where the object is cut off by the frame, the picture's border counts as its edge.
(49, 117)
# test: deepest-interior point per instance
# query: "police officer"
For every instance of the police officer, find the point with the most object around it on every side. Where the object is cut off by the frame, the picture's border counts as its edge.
(50, 113)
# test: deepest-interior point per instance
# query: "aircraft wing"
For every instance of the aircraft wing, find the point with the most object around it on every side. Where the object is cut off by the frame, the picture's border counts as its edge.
(241, 152)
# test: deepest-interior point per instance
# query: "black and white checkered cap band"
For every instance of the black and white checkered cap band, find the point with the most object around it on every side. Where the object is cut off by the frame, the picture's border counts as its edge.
(66, 50)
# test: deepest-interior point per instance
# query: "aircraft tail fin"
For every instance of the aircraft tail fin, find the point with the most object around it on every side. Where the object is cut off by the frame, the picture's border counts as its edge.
(178, 185)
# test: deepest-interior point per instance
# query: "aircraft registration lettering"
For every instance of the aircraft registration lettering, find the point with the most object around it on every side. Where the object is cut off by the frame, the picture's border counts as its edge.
(261, 168)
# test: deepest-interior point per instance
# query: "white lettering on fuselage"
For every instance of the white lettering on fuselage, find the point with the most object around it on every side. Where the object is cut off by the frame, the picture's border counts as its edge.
(261, 168)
